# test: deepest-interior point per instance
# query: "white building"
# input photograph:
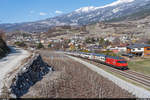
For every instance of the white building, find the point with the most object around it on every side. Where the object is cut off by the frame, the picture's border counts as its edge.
(120, 49)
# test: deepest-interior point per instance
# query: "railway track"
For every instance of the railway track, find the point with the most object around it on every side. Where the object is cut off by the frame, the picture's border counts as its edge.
(139, 74)
(139, 78)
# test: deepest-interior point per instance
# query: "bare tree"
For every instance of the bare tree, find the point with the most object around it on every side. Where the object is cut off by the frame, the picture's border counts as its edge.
(2, 34)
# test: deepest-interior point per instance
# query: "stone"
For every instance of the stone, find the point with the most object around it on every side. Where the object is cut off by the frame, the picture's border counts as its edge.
(28, 75)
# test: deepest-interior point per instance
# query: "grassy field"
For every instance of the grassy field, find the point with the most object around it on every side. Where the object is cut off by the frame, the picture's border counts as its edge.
(142, 66)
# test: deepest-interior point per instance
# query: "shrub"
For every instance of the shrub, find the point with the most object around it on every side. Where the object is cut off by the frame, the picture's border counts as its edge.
(148, 42)
(20, 44)
(40, 45)
(3, 48)
(49, 45)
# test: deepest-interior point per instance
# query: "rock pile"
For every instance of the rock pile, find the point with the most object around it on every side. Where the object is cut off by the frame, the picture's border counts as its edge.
(28, 75)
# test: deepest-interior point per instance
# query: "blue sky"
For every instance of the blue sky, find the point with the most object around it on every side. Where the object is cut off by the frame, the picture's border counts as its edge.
(14, 11)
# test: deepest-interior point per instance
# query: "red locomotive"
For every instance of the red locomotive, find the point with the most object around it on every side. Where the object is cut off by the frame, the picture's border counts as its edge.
(117, 62)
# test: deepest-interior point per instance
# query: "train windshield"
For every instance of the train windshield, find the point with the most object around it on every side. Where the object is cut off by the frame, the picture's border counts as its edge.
(122, 61)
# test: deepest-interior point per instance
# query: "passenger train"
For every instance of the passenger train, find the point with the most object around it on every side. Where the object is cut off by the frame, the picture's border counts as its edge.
(116, 62)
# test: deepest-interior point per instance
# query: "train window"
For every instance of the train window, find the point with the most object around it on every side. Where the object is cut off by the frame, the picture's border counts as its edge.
(148, 48)
(122, 61)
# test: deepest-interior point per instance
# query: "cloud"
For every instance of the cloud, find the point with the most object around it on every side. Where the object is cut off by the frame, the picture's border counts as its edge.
(58, 12)
(43, 13)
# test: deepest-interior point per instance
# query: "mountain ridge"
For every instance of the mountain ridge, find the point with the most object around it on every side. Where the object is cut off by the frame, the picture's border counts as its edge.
(82, 16)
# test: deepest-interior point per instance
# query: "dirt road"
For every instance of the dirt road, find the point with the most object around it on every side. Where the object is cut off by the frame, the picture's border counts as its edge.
(10, 62)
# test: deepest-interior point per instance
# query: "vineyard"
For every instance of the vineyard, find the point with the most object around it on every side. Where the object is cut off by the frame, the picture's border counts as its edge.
(71, 79)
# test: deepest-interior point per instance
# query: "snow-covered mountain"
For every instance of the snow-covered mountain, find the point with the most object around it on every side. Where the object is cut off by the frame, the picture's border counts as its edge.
(91, 8)
(85, 15)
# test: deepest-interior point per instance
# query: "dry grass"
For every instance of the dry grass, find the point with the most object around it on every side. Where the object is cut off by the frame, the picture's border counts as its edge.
(141, 65)
(73, 80)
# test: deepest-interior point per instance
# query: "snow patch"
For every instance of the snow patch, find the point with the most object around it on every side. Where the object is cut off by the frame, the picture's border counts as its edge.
(92, 8)
(115, 10)
(86, 9)
(118, 2)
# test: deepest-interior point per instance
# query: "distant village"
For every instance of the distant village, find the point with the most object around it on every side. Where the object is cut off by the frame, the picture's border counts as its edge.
(124, 44)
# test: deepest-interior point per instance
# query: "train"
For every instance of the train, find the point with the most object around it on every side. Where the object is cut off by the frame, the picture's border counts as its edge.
(113, 61)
